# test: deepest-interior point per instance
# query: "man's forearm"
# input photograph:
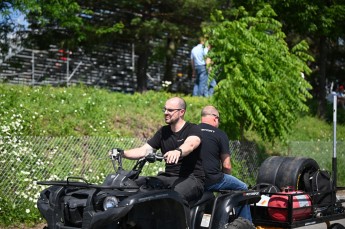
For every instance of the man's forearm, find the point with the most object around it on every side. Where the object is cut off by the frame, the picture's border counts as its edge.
(137, 153)
(189, 145)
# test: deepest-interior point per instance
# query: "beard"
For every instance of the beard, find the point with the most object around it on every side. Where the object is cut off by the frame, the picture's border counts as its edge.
(171, 121)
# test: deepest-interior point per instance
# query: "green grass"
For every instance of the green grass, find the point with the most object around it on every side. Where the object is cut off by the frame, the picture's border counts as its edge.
(310, 128)
(80, 111)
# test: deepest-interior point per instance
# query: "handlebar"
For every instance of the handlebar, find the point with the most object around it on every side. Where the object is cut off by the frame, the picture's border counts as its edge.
(117, 154)
(152, 157)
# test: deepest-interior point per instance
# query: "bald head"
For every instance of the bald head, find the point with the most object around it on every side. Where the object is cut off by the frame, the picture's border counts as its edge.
(210, 115)
(177, 102)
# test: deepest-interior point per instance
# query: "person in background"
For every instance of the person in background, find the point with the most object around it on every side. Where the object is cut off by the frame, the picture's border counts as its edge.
(215, 153)
(179, 142)
(200, 72)
(341, 96)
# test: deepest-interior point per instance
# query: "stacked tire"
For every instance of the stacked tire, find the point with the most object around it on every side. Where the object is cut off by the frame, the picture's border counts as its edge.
(286, 171)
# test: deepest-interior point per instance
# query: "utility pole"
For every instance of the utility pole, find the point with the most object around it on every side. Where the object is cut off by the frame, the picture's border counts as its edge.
(67, 68)
(33, 68)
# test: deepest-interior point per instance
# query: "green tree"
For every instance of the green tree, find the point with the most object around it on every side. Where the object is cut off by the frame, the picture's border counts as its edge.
(322, 24)
(149, 25)
(154, 25)
(10, 30)
(69, 24)
(260, 86)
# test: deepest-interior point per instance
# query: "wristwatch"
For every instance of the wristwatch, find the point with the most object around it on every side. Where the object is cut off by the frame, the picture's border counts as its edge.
(178, 149)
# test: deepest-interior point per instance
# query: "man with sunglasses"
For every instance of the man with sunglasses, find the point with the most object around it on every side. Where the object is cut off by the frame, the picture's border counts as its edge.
(215, 153)
(179, 141)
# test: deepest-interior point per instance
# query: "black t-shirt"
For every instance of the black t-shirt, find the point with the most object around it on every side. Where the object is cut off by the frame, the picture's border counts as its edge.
(166, 140)
(214, 143)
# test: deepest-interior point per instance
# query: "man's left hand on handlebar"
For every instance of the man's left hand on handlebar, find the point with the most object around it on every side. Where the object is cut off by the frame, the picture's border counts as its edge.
(172, 156)
(115, 152)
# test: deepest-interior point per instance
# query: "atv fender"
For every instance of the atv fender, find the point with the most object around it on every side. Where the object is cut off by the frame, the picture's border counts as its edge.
(50, 210)
(199, 208)
(227, 201)
(93, 220)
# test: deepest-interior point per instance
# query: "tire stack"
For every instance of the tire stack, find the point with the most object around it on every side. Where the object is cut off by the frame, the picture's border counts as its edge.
(286, 171)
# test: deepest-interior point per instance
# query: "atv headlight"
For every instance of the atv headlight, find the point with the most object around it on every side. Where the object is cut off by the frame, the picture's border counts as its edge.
(110, 202)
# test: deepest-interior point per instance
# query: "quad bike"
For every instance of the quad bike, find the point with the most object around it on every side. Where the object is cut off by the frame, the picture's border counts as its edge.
(125, 200)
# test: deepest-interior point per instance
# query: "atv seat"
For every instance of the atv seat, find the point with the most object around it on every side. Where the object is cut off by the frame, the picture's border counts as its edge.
(243, 197)
(208, 195)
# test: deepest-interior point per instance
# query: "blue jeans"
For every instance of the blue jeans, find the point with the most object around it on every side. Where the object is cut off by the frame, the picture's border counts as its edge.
(232, 183)
(213, 84)
(201, 81)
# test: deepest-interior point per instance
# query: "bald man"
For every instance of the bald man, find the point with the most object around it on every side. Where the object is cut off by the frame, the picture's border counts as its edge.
(179, 141)
(215, 153)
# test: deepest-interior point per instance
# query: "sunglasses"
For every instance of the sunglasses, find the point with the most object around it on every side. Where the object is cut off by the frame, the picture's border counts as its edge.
(170, 110)
(217, 117)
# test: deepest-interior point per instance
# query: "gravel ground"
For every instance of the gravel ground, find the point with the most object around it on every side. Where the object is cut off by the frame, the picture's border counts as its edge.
(341, 193)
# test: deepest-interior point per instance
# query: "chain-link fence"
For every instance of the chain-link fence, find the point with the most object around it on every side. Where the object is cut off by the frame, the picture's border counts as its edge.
(322, 152)
(27, 160)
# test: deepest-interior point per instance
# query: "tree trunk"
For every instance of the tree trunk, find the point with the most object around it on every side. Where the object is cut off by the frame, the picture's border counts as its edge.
(321, 96)
(242, 138)
(170, 51)
(143, 57)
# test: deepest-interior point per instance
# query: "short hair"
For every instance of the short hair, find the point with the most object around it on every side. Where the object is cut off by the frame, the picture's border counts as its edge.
(207, 110)
(202, 39)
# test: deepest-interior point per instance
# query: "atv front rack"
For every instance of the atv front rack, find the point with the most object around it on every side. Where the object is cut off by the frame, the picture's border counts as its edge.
(82, 184)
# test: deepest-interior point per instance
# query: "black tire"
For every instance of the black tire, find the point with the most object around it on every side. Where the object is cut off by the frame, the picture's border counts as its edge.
(269, 169)
(336, 226)
(291, 172)
(286, 171)
(240, 223)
